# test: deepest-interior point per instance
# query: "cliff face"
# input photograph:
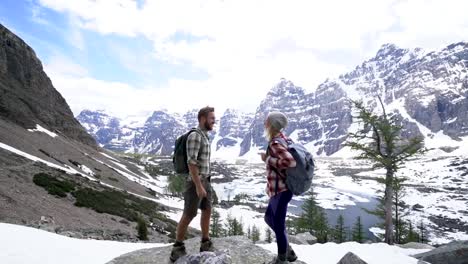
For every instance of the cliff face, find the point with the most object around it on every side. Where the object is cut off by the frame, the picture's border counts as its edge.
(27, 96)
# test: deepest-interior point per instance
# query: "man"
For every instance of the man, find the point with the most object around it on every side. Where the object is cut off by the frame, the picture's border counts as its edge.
(198, 188)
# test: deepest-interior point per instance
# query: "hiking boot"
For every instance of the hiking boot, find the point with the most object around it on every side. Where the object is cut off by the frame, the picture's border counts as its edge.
(280, 259)
(291, 255)
(206, 245)
(178, 250)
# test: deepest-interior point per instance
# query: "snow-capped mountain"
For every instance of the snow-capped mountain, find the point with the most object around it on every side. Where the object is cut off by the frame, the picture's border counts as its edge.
(158, 133)
(319, 120)
(427, 90)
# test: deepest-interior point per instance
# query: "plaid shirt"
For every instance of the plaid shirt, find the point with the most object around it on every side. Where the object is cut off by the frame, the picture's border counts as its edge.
(199, 151)
(278, 158)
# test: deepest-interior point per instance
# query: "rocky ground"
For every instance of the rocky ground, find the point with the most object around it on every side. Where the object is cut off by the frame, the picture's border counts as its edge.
(239, 250)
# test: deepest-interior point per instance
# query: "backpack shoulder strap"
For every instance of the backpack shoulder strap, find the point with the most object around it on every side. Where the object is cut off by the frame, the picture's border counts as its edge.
(193, 129)
(283, 141)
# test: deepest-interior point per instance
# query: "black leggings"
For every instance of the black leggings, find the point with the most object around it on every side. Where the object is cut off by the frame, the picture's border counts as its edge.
(275, 217)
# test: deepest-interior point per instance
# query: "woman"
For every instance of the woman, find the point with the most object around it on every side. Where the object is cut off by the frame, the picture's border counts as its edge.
(277, 159)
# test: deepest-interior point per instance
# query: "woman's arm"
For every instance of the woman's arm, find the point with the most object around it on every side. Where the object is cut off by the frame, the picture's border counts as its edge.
(280, 158)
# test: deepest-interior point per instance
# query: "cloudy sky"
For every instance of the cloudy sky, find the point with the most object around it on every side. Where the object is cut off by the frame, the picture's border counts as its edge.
(134, 56)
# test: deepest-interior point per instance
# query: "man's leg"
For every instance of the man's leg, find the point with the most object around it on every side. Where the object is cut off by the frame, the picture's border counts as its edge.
(205, 206)
(182, 227)
(190, 211)
(205, 223)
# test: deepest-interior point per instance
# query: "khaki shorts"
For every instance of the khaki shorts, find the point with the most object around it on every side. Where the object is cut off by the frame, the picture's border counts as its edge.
(191, 200)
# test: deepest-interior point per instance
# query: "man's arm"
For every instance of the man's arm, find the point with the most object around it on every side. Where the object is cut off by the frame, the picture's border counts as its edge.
(193, 147)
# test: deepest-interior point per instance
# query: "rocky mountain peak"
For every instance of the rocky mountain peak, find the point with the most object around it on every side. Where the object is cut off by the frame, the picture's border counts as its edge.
(285, 88)
(28, 97)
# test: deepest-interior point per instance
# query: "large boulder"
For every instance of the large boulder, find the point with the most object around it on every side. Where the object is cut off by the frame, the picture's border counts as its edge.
(302, 239)
(415, 245)
(218, 257)
(228, 250)
(453, 253)
(351, 258)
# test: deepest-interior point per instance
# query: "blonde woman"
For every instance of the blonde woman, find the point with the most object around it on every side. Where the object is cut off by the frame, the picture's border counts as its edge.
(277, 159)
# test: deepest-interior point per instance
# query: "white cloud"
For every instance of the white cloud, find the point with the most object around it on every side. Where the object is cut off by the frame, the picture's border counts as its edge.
(429, 24)
(37, 15)
(74, 35)
(246, 46)
(60, 65)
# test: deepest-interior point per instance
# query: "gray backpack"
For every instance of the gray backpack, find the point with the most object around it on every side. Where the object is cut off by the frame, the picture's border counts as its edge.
(299, 178)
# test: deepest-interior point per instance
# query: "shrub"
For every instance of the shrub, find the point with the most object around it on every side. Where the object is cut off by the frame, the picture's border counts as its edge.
(54, 186)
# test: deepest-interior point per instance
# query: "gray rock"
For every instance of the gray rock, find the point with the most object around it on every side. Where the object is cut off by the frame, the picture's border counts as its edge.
(351, 258)
(423, 262)
(415, 245)
(205, 258)
(303, 239)
(239, 249)
(453, 253)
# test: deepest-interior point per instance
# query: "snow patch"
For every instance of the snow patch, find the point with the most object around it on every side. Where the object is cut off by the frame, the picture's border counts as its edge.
(22, 244)
(65, 167)
(43, 130)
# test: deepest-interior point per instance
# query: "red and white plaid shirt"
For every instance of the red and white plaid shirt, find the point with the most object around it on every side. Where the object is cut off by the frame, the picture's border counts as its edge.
(278, 158)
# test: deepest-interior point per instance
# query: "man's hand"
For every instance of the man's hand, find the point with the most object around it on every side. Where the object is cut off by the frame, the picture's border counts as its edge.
(201, 192)
(263, 156)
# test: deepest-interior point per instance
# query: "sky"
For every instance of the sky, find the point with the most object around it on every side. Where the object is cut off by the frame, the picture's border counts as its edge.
(131, 57)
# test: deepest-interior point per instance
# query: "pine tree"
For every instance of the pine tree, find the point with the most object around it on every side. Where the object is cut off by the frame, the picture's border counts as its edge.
(255, 234)
(398, 203)
(358, 231)
(249, 233)
(234, 227)
(176, 184)
(268, 235)
(386, 149)
(142, 228)
(339, 233)
(422, 233)
(230, 225)
(216, 227)
(321, 228)
(310, 211)
(412, 236)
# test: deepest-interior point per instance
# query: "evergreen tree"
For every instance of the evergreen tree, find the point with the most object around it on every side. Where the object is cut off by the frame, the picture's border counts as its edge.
(310, 211)
(358, 231)
(339, 233)
(422, 233)
(142, 228)
(379, 141)
(398, 204)
(320, 227)
(412, 236)
(216, 227)
(255, 236)
(176, 184)
(268, 235)
(234, 227)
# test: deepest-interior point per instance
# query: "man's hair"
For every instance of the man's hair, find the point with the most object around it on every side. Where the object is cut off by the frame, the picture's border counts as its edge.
(204, 112)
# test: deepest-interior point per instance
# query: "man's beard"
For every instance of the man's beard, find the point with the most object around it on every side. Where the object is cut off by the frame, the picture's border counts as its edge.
(208, 126)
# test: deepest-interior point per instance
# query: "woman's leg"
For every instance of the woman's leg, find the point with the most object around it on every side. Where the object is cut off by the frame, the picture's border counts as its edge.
(270, 211)
(280, 221)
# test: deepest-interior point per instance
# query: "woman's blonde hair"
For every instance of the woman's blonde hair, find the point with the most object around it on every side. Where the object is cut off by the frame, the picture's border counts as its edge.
(277, 122)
